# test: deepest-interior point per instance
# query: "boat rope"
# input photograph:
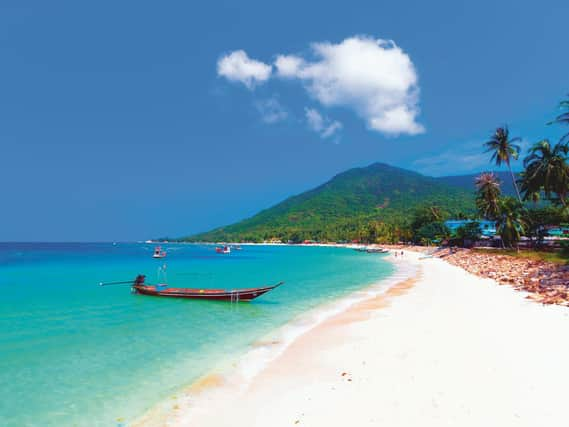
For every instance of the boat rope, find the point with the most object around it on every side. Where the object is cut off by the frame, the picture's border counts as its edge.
(234, 296)
(161, 274)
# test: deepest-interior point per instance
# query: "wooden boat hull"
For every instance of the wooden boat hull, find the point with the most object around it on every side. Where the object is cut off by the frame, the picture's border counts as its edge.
(234, 295)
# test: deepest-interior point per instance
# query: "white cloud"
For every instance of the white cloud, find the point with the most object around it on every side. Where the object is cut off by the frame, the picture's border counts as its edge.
(374, 77)
(331, 129)
(288, 65)
(322, 125)
(271, 110)
(314, 119)
(238, 67)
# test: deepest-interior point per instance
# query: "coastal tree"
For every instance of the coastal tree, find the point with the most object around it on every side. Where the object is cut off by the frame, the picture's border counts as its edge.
(488, 194)
(537, 220)
(510, 223)
(504, 149)
(427, 214)
(468, 233)
(427, 224)
(547, 172)
(379, 232)
(461, 215)
(433, 232)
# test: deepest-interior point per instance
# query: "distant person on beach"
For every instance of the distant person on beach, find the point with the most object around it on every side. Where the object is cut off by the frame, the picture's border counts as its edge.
(401, 253)
(395, 254)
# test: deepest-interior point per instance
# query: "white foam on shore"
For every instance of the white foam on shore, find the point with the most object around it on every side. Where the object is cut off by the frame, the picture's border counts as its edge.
(237, 376)
(274, 344)
(456, 350)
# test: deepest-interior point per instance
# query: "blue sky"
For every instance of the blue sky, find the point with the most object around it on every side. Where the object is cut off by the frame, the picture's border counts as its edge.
(117, 121)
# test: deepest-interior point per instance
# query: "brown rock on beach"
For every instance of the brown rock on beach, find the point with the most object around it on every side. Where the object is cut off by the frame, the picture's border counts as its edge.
(547, 282)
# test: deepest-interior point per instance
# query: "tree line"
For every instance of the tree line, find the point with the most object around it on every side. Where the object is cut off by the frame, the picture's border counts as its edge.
(541, 189)
(541, 198)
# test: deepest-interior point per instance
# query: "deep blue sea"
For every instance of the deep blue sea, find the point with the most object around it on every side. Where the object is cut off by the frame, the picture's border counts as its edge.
(73, 353)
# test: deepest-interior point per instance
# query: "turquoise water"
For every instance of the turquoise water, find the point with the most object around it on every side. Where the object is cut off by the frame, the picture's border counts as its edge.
(76, 354)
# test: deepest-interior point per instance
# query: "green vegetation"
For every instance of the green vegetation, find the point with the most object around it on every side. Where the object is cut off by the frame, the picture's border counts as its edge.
(465, 181)
(432, 232)
(510, 223)
(546, 175)
(488, 196)
(536, 218)
(467, 234)
(547, 172)
(504, 149)
(385, 204)
(377, 203)
(560, 257)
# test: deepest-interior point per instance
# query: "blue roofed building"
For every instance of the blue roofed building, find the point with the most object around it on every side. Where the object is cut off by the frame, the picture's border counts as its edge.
(560, 231)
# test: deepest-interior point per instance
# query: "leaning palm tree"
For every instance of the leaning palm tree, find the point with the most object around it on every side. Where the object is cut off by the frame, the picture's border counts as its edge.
(510, 223)
(503, 150)
(436, 213)
(547, 171)
(488, 189)
(563, 118)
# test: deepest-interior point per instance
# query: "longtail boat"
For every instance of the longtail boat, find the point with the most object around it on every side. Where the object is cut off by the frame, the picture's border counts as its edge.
(162, 290)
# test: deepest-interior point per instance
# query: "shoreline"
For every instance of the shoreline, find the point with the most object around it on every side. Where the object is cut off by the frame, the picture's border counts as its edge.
(538, 280)
(446, 348)
(234, 377)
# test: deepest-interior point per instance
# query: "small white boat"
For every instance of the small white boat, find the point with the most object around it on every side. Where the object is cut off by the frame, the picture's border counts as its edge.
(158, 252)
(377, 251)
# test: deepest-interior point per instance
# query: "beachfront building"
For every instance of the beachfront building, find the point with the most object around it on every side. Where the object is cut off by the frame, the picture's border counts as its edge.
(487, 228)
(557, 231)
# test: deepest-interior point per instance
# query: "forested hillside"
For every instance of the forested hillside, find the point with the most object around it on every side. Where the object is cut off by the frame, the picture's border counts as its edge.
(375, 199)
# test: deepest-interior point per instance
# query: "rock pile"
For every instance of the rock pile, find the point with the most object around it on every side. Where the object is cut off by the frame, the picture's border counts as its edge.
(546, 282)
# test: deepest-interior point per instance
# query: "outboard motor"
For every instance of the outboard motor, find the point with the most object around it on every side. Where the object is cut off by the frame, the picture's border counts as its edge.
(139, 281)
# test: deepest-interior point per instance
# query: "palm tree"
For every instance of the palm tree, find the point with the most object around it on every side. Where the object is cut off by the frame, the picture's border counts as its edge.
(436, 213)
(510, 223)
(547, 170)
(503, 150)
(488, 187)
(563, 118)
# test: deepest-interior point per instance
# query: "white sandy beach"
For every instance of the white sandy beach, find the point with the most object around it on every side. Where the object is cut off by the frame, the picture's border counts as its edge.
(447, 348)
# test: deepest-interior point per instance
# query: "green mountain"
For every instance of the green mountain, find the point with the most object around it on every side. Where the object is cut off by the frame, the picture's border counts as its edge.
(467, 181)
(344, 206)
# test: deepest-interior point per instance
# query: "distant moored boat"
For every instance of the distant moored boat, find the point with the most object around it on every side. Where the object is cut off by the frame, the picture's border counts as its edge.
(377, 251)
(158, 252)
